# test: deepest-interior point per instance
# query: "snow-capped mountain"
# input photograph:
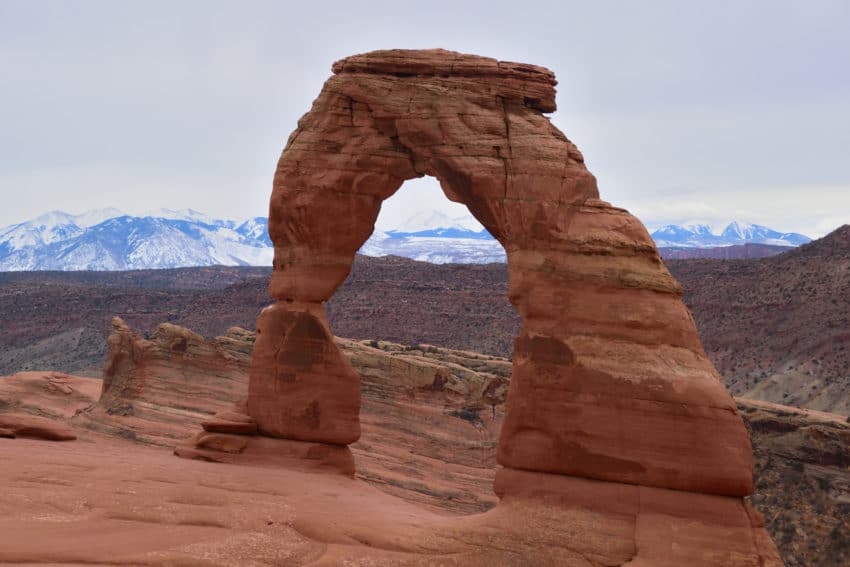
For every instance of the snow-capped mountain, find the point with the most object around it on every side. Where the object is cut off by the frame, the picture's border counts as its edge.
(433, 236)
(701, 236)
(108, 239)
(430, 220)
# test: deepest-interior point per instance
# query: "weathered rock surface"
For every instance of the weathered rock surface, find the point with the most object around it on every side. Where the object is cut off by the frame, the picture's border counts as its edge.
(48, 394)
(148, 508)
(802, 481)
(231, 421)
(421, 410)
(153, 387)
(23, 425)
(37, 404)
(653, 526)
(430, 425)
(303, 387)
(610, 380)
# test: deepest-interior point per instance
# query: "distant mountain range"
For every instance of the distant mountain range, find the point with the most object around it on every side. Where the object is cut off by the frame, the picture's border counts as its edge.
(701, 236)
(111, 240)
(108, 239)
(432, 236)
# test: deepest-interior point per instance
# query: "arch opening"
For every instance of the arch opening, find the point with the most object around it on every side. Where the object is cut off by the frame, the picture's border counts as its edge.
(428, 342)
(415, 297)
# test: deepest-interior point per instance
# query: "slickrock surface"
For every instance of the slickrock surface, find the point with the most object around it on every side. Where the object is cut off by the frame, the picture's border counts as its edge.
(62, 505)
(429, 438)
(22, 425)
(35, 404)
(610, 380)
(48, 394)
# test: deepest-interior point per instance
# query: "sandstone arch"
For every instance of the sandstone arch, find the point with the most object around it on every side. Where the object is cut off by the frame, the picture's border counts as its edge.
(610, 380)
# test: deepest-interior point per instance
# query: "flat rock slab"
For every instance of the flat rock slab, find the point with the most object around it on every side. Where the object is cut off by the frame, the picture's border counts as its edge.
(22, 425)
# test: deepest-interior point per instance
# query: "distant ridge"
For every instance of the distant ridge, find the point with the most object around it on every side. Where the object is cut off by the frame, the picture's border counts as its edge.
(734, 252)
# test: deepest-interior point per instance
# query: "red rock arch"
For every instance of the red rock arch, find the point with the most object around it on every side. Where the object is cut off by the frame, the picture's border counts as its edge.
(610, 380)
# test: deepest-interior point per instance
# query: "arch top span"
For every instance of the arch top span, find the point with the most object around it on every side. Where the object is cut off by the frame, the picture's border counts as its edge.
(609, 381)
(474, 123)
(530, 84)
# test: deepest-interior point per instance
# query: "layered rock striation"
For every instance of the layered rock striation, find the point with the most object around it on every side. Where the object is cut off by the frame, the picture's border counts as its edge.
(153, 387)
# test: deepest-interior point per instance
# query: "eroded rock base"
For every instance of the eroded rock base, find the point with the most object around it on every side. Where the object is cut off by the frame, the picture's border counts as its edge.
(231, 437)
(656, 526)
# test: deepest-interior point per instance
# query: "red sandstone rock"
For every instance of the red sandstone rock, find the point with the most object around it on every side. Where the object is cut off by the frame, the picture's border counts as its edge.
(610, 380)
(153, 389)
(666, 527)
(56, 395)
(416, 445)
(302, 387)
(268, 452)
(221, 442)
(148, 508)
(230, 422)
(22, 425)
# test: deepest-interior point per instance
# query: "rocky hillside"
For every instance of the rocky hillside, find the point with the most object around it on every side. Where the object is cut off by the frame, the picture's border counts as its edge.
(802, 474)
(58, 320)
(778, 328)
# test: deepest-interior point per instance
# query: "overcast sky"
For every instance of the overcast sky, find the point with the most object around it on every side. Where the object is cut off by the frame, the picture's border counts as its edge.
(684, 110)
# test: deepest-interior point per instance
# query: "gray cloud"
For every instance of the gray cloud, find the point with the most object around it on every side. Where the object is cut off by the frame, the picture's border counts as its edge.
(683, 110)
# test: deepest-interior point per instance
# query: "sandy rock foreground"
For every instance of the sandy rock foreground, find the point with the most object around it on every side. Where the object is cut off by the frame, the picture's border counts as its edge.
(110, 502)
(423, 493)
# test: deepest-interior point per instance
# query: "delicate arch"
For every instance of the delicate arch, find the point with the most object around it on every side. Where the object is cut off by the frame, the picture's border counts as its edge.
(610, 380)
